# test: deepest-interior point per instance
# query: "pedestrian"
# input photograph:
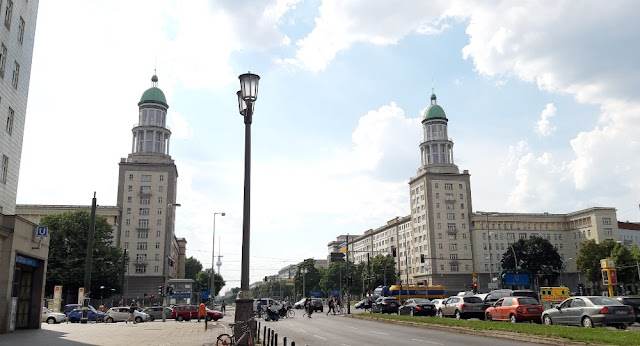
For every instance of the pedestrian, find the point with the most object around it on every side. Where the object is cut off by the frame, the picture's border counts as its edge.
(338, 305)
(331, 307)
(223, 307)
(132, 310)
(310, 308)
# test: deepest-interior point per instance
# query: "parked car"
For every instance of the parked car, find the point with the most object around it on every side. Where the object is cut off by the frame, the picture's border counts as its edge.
(417, 307)
(299, 304)
(121, 314)
(155, 312)
(188, 312)
(363, 304)
(52, 317)
(317, 304)
(92, 315)
(385, 305)
(515, 309)
(462, 307)
(632, 302)
(70, 307)
(437, 303)
(495, 295)
(589, 311)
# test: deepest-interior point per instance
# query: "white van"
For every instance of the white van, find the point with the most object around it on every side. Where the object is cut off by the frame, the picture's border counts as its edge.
(275, 305)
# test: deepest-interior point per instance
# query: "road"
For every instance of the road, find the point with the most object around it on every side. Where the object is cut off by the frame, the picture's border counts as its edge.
(345, 331)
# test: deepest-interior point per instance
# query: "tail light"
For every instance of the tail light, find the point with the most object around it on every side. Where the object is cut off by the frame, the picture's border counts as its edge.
(604, 311)
(519, 309)
(433, 307)
(418, 307)
(385, 304)
(631, 312)
(462, 306)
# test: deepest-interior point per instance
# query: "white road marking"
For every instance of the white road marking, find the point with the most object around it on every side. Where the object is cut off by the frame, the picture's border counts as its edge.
(345, 345)
(318, 336)
(429, 342)
(351, 327)
(304, 331)
(373, 331)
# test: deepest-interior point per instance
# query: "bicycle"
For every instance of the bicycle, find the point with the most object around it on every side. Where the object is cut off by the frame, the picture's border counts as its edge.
(226, 339)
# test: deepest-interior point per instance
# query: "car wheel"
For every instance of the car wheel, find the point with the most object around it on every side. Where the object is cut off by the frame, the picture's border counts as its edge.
(51, 320)
(138, 319)
(180, 318)
(209, 318)
(488, 317)
(151, 318)
(215, 319)
(587, 322)
(440, 314)
(72, 320)
(458, 315)
(110, 320)
(547, 320)
(512, 318)
(411, 312)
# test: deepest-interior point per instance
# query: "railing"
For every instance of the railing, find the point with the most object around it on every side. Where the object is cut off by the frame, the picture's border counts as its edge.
(152, 125)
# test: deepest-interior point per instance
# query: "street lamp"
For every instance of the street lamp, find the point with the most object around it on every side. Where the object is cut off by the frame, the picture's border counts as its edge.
(562, 269)
(213, 281)
(486, 214)
(166, 258)
(101, 294)
(304, 288)
(247, 96)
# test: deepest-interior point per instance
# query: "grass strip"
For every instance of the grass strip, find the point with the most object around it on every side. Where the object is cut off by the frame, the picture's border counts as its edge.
(603, 336)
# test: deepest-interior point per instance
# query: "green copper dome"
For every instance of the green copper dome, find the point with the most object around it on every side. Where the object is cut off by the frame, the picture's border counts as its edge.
(153, 94)
(434, 111)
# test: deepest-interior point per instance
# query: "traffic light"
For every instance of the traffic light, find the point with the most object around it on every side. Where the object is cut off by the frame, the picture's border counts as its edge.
(581, 288)
(421, 258)
(169, 290)
(170, 262)
(350, 281)
(160, 290)
(337, 257)
(393, 251)
(475, 287)
(265, 279)
(151, 296)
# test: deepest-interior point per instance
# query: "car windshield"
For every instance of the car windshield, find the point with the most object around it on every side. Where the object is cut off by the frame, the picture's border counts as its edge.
(46, 310)
(527, 301)
(421, 301)
(631, 301)
(604, 301)
(472, 300)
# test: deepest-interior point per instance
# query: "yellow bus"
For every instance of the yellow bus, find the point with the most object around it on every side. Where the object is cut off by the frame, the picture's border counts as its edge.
(429, 292)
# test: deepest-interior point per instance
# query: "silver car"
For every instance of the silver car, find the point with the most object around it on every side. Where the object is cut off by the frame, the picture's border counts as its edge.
(155, 312)
(590, 311)
(52, 317)
(462, 307)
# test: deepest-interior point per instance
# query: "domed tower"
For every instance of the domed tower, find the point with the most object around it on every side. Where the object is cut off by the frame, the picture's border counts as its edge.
(147, 189)
(436, 151)
(151, 134)
(440, 209)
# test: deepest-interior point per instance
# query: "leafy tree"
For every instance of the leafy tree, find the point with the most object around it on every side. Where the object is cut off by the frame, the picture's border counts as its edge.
(589, 258)
(536, 255)
(68, 249)
(383, 271)
(191, 268)
(311, 278)
(625, 263)
(203, 279)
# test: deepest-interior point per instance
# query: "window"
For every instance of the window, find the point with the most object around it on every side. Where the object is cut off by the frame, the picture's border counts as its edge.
(128, 222)
(606, 220)
(448, 186)
(442, 267)
(522, 236)
(159, 199)
(460, 185)
(145, 189)
(156, 269)
(21, 30)
(3, 59)
(128, 210)
(158, 246)
(129, 199)
(439, 235)
(156, 257)
(435, 185)
(141, 269)
(451, 226)
(130, 176)
(16, 74)
(161, 177)
(159, 211)
(461, 196)
(145, 200)
(439, 247)
(7, 14)
(144, 211)
(159, 222)
(141, 246)
(453, 247)
(437, 195)
(511, 236)
(146, 178)
(454, 268)
(143, 223)
(451, 216)
(461, 205)
(143, 234)
(126, 233)
(160, 188)
(126, 245)
(158, 233)
(10, 117)
(130, 189)
(608, 231)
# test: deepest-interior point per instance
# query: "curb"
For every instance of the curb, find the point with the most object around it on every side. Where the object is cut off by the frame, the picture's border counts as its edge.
(488, 333)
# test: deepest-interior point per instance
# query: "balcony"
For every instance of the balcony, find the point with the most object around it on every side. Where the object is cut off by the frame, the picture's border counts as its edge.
(452, 230)
(140, 261)
(144, 192)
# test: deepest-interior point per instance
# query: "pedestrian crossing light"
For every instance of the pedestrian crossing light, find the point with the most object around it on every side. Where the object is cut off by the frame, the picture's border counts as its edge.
(160, 290)
(151, 296)
(475, 287)
(421, 258)
(393, 251)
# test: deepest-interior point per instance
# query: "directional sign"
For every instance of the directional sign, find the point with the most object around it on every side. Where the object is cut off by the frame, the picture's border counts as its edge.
(42, 231)
(289, 282)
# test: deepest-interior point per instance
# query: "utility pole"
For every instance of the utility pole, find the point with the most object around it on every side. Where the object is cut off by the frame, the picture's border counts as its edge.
(347, 255)
(89, 259)
(368, 276)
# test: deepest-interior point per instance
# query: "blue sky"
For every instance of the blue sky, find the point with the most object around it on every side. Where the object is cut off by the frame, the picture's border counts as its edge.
(541, 99)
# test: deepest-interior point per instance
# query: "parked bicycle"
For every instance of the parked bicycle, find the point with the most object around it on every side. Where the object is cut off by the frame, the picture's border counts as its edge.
(226, 339)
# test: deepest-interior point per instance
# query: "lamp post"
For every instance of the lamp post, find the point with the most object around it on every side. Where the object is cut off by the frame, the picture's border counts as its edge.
(213, 273)
(101, 294)
(562, 269)
(304, 288)
(165, 265)
(247, 96)
(486, 214)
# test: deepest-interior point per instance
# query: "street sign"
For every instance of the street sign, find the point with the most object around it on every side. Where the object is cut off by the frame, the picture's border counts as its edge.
(474, 273)
(289, 282)
(42, 231)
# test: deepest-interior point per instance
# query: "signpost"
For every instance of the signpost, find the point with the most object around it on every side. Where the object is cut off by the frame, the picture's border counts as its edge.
(609, 276)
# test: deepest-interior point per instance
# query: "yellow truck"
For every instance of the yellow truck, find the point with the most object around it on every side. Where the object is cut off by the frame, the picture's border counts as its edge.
(553, 295)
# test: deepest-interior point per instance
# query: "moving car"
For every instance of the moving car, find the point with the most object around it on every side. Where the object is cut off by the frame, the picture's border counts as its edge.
(155, 312)
(299, 304)
(515, 309)
(121, 314)
(363, 304)
(417, 307)
(188, 312)
(317, 304)
(75, 315)
(265, 302)
(384, 305)
(632, 302)
(589, 311)
(462, 307)
(52, 317)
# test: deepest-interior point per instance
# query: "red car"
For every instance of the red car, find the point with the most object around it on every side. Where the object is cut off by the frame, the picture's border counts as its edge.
(514, 309)
(187, 312)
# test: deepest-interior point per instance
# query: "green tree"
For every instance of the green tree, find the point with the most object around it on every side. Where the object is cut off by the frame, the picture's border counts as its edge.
(625, 263)
(68, 249)
(536, 255)
(191, 268)
(383, 271)
(589, 258)
(203, 279)
(311, 278)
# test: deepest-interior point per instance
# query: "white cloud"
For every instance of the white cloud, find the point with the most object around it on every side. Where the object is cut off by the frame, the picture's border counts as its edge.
(543, 126)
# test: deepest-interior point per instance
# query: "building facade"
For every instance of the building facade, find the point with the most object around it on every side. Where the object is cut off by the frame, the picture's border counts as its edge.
(147, 187)
(629, 233)
(23, 251)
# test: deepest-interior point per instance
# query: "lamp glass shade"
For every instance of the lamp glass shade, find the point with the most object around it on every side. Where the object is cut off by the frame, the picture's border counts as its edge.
(242, 106)
(249, 86)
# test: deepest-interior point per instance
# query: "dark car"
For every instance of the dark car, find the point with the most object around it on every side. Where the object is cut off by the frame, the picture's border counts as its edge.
(417, 307)
(385, 305)
(632, 302)
(363, 304)
(590, 311)
(93, 315)
(317, 305)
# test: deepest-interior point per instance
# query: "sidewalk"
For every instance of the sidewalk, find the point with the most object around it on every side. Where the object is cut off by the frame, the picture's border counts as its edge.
(147, 333)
